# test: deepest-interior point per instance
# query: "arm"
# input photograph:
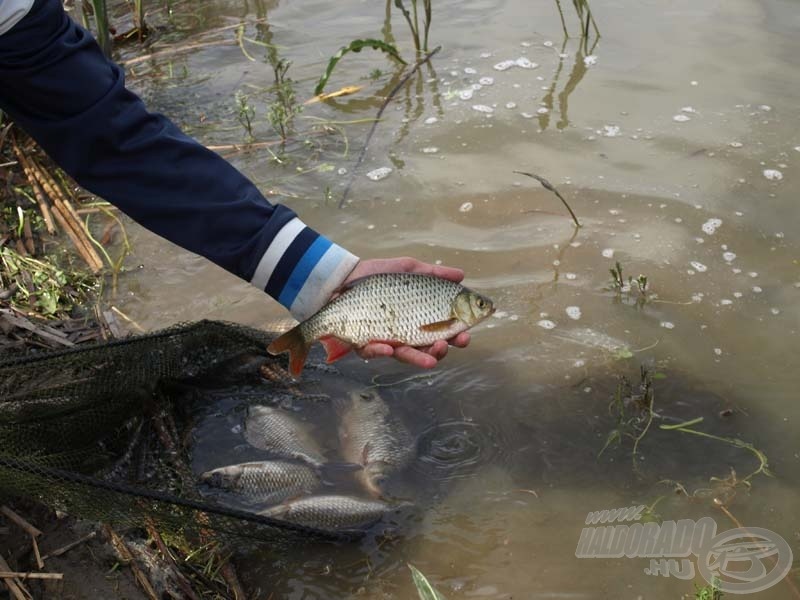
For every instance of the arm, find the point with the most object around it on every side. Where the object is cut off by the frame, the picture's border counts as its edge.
(57, 85)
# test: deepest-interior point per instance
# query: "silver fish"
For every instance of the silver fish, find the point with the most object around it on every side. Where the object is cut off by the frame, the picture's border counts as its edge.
(268, 481)
(395, 308)
(274, 430)
(372, 437)
(330, 513)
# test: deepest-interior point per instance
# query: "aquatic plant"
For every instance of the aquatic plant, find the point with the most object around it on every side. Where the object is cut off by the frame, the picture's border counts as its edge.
(285, 107)
(245, 113)
(413, 23)
(619, 285)
(708, 592)
(356, 46)
(425, 590)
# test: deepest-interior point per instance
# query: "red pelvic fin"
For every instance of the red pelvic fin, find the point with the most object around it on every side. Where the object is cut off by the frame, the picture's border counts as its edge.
(334, 347)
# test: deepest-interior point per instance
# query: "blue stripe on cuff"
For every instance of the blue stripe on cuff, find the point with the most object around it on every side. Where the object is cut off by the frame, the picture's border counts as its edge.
(303, 270)
(287, 263)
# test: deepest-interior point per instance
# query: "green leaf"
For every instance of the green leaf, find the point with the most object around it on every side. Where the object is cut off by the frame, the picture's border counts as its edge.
(356, 46)
(425, 590)
(623, 353)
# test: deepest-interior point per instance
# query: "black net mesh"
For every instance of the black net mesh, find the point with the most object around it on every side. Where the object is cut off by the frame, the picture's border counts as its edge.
(102, 431)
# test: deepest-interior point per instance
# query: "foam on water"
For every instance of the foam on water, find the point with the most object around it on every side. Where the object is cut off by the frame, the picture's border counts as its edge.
(379, 173)
(698, 266)
(608, 253)
(546, 324)
(573, 312)
(483, 108)
(773, 174)
(710, 227)
(681, 118)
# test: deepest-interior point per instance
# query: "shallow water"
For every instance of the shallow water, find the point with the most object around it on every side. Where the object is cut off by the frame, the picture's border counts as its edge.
(510, 429)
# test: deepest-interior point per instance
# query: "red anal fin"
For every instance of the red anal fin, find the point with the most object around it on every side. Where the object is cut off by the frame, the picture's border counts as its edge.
(335, 348)
(439, 325)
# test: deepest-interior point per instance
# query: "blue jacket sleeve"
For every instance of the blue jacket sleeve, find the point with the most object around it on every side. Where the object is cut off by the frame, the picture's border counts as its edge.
(57, 85)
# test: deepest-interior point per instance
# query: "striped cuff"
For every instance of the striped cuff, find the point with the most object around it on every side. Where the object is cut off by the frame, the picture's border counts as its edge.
(12, 12)
(301, 269)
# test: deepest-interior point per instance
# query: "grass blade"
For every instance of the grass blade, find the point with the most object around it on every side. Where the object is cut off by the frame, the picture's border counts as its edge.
(356, 46)
(424, 588)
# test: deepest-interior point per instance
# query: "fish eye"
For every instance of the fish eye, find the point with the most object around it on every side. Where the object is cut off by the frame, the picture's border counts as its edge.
(481, 303)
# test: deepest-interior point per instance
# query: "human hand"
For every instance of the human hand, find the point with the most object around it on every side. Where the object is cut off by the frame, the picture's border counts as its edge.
(429, 356)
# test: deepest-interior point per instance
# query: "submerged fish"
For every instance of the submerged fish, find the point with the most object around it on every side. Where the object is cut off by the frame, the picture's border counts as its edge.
(394, 308)
(268, 481)
(330, 513)
(371, 437)
(274, 430)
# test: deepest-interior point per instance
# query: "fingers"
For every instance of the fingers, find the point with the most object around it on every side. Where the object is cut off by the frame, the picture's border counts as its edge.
(375, 350)
(412, 356)
(461, 340)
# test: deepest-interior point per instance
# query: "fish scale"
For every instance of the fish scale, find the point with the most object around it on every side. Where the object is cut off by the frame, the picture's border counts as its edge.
(398, 308)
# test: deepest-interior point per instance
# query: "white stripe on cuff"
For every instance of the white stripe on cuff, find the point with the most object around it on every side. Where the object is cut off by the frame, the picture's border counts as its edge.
(325, 278)
(273, 255)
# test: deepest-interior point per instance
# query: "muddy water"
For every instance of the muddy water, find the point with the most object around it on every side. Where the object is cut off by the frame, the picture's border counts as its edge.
(664, 137)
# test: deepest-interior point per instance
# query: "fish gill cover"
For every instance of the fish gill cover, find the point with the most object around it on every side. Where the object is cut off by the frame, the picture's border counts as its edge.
(104, 432)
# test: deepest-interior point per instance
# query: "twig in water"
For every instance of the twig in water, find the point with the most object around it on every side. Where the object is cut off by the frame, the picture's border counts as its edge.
(70, 546)
(388, 99)
(549, 186)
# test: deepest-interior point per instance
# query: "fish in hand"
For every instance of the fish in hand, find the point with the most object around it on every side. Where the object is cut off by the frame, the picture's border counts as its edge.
(372, 437)
(409, 309)
(269, 481)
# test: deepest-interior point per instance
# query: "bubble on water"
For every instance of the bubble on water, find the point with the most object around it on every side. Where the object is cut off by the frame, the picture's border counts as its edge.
(718, 351)
(797, 148)
(773, 174)
(610, 130)
(736, 271)
(697, 298)
(546, 324)
(780, 235)
(573, 312)
(698, 266)
(757, 289)
(430, 150)
(525, 63)
(466, 94)
(590, 60)
(504, 65)
(543, 110)
(575, 244)
(725, 302)
(511, 105)
(525, 44)
(608, 253)
(379, 173)
(513, 318)
(453, 73)
(678, 220)
(710, 227)
(466, 207)
(694, 83)
(485, 54)
(739, 213)
(579, 363)
(681, 118)
(752, 274)
(482, 108)
(342, 171)
(548, 44)
(476, 86)
(736, 144)
(729, 256)
(570, 276)
(765, 107)
(430, 120)
(737, 294)
(775, 311)
(667, 325)
(526, 115)
(486, 80)
(469, 71)
(688, 109)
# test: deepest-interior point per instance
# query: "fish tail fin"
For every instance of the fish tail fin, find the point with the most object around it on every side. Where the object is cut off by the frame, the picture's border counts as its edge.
(295, 344)
(335, 348)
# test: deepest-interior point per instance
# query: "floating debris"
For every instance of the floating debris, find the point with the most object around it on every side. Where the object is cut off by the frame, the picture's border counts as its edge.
(667, 325)
(379, 173)
(773, 174)
(573, 312)
(466, 207)
(608, 253)
(610, 131)
(681, 118)
(710, 227)
(486, 80)
(736, 144)
(505, 65)
(546, 324)
(698, 266)
(590, 60)
(482, 108)
(525, 63)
